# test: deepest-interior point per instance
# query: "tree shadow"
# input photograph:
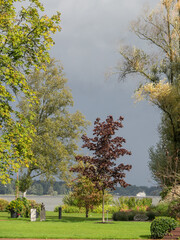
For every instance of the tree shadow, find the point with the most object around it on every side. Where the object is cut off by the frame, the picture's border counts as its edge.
(145, 236)
(71, 219)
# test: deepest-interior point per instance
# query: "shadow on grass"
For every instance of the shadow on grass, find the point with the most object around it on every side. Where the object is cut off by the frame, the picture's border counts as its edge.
(145, 236)
(71, 219)
(54, 218)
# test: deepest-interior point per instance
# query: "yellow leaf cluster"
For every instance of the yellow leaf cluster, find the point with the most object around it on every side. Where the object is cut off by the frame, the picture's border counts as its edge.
(153, 92)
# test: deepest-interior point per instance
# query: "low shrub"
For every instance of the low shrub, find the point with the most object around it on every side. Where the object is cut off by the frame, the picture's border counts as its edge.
(124, 216)
(73, 209)
(33, 204)
(22, 206)
(3, 205)
(70, 200)
(151, 215)
(162, 209)
(132, 203)
(147, 202)
(70, 209)
(17, 206)
(160, 226)
(107, 208)
(129, 215)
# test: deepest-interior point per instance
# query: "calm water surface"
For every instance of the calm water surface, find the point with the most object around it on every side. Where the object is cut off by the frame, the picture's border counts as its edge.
(51, 202)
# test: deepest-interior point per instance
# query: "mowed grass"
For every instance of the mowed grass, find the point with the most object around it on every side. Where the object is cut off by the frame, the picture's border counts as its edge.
(71, 226)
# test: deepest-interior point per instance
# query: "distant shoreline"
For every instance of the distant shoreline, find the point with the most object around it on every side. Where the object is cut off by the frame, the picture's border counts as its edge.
(51, 202)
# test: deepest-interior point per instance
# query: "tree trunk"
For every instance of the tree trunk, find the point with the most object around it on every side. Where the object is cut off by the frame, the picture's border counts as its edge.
(17, 186)
(103, 220)
(178, 3)
(87, 212)
(170, 42)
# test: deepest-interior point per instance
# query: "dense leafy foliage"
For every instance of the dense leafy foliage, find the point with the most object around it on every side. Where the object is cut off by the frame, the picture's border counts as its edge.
(57, 130)
(162, 209)
(174, 209)
(22, 206)
(124, 215)
(84, 195)
(25, 40)
(3, 205)
(161, 226)
(160, 72)
(132, 203)
(101, 169)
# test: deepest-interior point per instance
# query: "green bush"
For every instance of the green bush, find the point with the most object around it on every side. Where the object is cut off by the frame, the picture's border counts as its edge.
(160, 226)
(174, 209)
(22, 206)
(147, 202)
(73, 209)
(107, 208)
(151, 215)
(17, 206)
(129, 215)
(33, 204)
(3, 205)
(70, 200)
(124, 216)
(132, 203)
(162, 209)
(70, 209)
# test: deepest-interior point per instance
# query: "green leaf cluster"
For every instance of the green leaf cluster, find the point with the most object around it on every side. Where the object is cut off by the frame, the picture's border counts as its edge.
(57, 129)
(25, 39)
(161, 226)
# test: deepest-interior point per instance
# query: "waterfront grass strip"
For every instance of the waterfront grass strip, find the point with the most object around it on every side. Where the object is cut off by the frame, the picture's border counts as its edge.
(72, 226)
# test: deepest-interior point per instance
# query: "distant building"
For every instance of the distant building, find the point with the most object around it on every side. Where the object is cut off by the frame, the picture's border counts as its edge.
(141, 194)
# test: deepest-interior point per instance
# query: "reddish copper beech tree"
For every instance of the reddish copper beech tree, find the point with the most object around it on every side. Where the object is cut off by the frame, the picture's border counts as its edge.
(101, 168)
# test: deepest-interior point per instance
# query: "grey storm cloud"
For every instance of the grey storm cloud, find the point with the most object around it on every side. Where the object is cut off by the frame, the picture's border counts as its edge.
(87, 47)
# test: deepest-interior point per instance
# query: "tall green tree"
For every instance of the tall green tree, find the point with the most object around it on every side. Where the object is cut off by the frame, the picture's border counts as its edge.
(57, 130)
(25, 40)
(160, 28)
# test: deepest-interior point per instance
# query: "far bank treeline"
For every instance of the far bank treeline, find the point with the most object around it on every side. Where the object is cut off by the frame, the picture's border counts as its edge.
(56, 188)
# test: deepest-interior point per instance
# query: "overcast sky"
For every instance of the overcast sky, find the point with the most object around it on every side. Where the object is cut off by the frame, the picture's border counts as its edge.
(87, 46)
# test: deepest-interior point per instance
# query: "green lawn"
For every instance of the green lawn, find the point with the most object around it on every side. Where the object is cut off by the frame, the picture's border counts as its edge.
(71, 226)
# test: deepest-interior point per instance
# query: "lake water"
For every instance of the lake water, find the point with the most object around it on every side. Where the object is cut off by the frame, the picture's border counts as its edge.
(51, 202)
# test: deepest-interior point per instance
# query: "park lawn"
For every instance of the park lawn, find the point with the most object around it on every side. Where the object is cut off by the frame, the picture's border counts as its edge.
(71, 226)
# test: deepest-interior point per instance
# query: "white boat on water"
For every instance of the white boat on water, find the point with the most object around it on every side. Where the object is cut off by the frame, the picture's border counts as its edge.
(141, 194)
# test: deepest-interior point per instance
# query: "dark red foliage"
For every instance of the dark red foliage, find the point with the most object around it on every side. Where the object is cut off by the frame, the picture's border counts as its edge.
(101, 168)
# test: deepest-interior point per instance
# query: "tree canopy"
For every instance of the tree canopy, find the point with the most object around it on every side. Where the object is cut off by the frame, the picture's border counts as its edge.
(57, 130)
(25, 40)
(101, 168)
(159, 71)
(85, 194)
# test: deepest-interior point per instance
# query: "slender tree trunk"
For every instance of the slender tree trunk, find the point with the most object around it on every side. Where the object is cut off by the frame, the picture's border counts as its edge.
(178, 2)
(17, 186)
(170, 42)
(103, 220)
(87, 212)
